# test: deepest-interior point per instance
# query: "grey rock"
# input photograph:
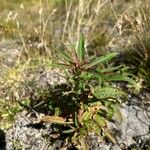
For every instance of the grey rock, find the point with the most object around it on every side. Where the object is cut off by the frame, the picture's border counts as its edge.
(49, 78)
(116, 147)
(57, 145)
(25, 137)
(133, 124)
(96, 144)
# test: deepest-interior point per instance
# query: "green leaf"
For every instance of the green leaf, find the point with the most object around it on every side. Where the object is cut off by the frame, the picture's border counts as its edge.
(96, 128)
(118, 77)
(64, 56)
(68, 131)
(101, 121)
(101, 59)
(83, 131)
(107, 92)
(54, 119)
(76, 120)
(125, 69)
(81, 49)
(117, 114)
(109, 69)
(110, 112)
(57, 111)
(92, 126)
(113, 77)
(87, 115)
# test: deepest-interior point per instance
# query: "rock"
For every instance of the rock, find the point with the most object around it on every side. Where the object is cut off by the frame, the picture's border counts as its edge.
(57, 145)
(95, 144)
(26, 137)
(132, 124)
(116, 147)
(49, 78)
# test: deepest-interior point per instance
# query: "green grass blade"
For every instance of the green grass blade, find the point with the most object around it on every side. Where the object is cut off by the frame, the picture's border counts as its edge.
(101, 59)
(81, 49)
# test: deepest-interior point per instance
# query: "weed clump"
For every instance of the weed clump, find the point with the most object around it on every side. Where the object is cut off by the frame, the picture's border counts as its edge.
(88, 100)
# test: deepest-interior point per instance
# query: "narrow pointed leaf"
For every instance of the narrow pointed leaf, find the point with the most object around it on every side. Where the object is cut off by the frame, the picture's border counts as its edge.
(110, 112)
(101, 59)
(76, 120)
(113, 77)
(64, 55)
(109, 69)
(68, 131)
(118, 77)
(117, 116)
(87, 115)
(54, 119)
(81, 48)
